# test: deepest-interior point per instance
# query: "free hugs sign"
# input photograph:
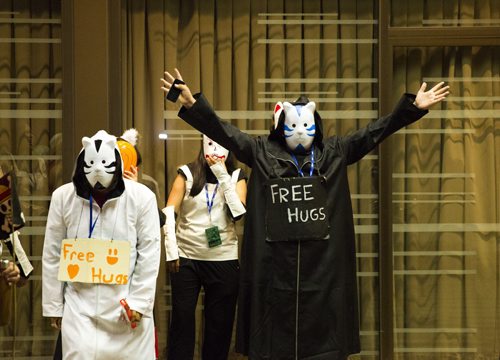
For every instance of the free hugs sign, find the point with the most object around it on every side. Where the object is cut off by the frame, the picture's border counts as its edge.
(296, 209)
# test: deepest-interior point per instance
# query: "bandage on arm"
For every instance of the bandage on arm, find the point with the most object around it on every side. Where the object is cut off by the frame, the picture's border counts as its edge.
(230, 195)
(171, 248)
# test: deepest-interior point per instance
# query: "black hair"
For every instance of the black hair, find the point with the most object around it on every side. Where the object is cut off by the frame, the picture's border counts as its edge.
(201, 171)
(278, 133)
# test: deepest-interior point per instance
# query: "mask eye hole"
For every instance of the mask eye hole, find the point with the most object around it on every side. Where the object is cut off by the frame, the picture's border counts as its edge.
(305, 125)
(294, 125)
(210, 143)
(104, 161)
(91, 162)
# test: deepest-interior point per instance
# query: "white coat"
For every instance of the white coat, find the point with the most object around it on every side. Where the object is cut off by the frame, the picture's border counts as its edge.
(91, 328)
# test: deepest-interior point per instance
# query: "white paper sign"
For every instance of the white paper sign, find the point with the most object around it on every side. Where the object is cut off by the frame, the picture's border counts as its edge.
(94, 261)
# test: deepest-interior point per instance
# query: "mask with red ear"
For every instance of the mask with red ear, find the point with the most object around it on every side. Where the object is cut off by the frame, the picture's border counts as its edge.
(278, 109)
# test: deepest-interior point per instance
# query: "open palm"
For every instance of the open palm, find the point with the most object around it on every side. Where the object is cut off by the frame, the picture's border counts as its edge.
(425, 99)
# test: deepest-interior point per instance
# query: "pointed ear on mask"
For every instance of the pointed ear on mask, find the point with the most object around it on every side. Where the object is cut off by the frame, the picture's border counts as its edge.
(310, 106)
(278, 109)
(111, 142)
(288, 109)
(86, 141)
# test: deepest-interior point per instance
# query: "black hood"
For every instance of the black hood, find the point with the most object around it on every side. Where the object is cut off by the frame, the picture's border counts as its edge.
(82, 185)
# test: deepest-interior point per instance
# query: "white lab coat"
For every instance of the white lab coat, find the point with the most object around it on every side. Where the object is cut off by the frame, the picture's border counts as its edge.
(91, 325)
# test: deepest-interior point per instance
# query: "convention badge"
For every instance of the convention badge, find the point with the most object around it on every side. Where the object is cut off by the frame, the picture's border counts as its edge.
(213, 236)
(94, 261)
(296, 209)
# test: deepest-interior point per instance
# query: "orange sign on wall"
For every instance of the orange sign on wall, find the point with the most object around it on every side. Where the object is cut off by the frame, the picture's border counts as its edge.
(94, 261)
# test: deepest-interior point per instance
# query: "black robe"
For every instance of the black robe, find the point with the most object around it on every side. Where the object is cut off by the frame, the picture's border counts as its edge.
(299, 299)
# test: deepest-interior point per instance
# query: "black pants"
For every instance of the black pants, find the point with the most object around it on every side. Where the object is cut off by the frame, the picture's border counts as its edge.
(220, 282)
(58, 349)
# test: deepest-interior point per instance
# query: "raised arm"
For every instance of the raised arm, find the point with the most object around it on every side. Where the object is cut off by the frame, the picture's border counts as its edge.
(197, 112)
(409, 109)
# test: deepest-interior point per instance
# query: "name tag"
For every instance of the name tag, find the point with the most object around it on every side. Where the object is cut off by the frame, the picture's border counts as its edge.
(296, 209)
(94, 261)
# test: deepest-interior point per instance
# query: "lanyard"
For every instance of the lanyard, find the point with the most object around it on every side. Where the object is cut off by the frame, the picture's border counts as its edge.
(299, 168)
(210, 203)
(92, 225)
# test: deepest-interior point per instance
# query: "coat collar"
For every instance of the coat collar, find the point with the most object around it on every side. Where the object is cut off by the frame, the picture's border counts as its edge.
(277, 150)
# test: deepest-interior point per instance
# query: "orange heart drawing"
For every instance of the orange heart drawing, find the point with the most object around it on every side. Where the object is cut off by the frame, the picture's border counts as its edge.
(73, 270)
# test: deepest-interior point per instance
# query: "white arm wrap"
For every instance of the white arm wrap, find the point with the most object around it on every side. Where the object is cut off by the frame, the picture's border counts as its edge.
(232, 199)
(171, 248)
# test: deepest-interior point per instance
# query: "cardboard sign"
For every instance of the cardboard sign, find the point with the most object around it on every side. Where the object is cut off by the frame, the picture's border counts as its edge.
(296, 209)
(94, 261)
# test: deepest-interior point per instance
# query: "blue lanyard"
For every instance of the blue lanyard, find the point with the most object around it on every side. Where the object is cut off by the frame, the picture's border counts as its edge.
(312, 163)
(210, 203)
(92, 226)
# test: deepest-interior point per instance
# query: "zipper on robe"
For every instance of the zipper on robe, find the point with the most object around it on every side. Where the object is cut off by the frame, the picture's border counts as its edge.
(297, 304)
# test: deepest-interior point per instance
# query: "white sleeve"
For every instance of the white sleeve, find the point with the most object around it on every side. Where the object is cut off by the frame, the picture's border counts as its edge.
(142, 286)
(55, 232)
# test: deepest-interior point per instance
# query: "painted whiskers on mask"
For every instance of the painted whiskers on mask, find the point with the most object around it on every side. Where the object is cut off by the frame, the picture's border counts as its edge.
(299, 128)
(99, 159)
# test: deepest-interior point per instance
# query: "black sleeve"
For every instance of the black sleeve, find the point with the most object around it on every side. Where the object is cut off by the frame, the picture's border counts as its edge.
(242, 175)
(180, 172)
(163, 217)
(362, 141)
(202, 117)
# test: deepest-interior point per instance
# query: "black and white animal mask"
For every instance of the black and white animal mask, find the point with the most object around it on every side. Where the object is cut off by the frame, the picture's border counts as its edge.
(297, 125)
(99, 159)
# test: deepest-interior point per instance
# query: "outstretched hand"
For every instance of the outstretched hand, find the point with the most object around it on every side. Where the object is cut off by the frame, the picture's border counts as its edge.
(186, 98)
(425, 99)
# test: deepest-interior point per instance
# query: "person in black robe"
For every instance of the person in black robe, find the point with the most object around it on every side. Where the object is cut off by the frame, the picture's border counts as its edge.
(298, 294)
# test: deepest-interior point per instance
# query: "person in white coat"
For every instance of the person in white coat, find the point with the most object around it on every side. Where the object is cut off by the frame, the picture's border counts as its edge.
(100, 205)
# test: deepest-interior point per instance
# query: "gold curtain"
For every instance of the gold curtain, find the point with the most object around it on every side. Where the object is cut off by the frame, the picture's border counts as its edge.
(447, 209)
(246, 55)
(30, 144)
(446, 190)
